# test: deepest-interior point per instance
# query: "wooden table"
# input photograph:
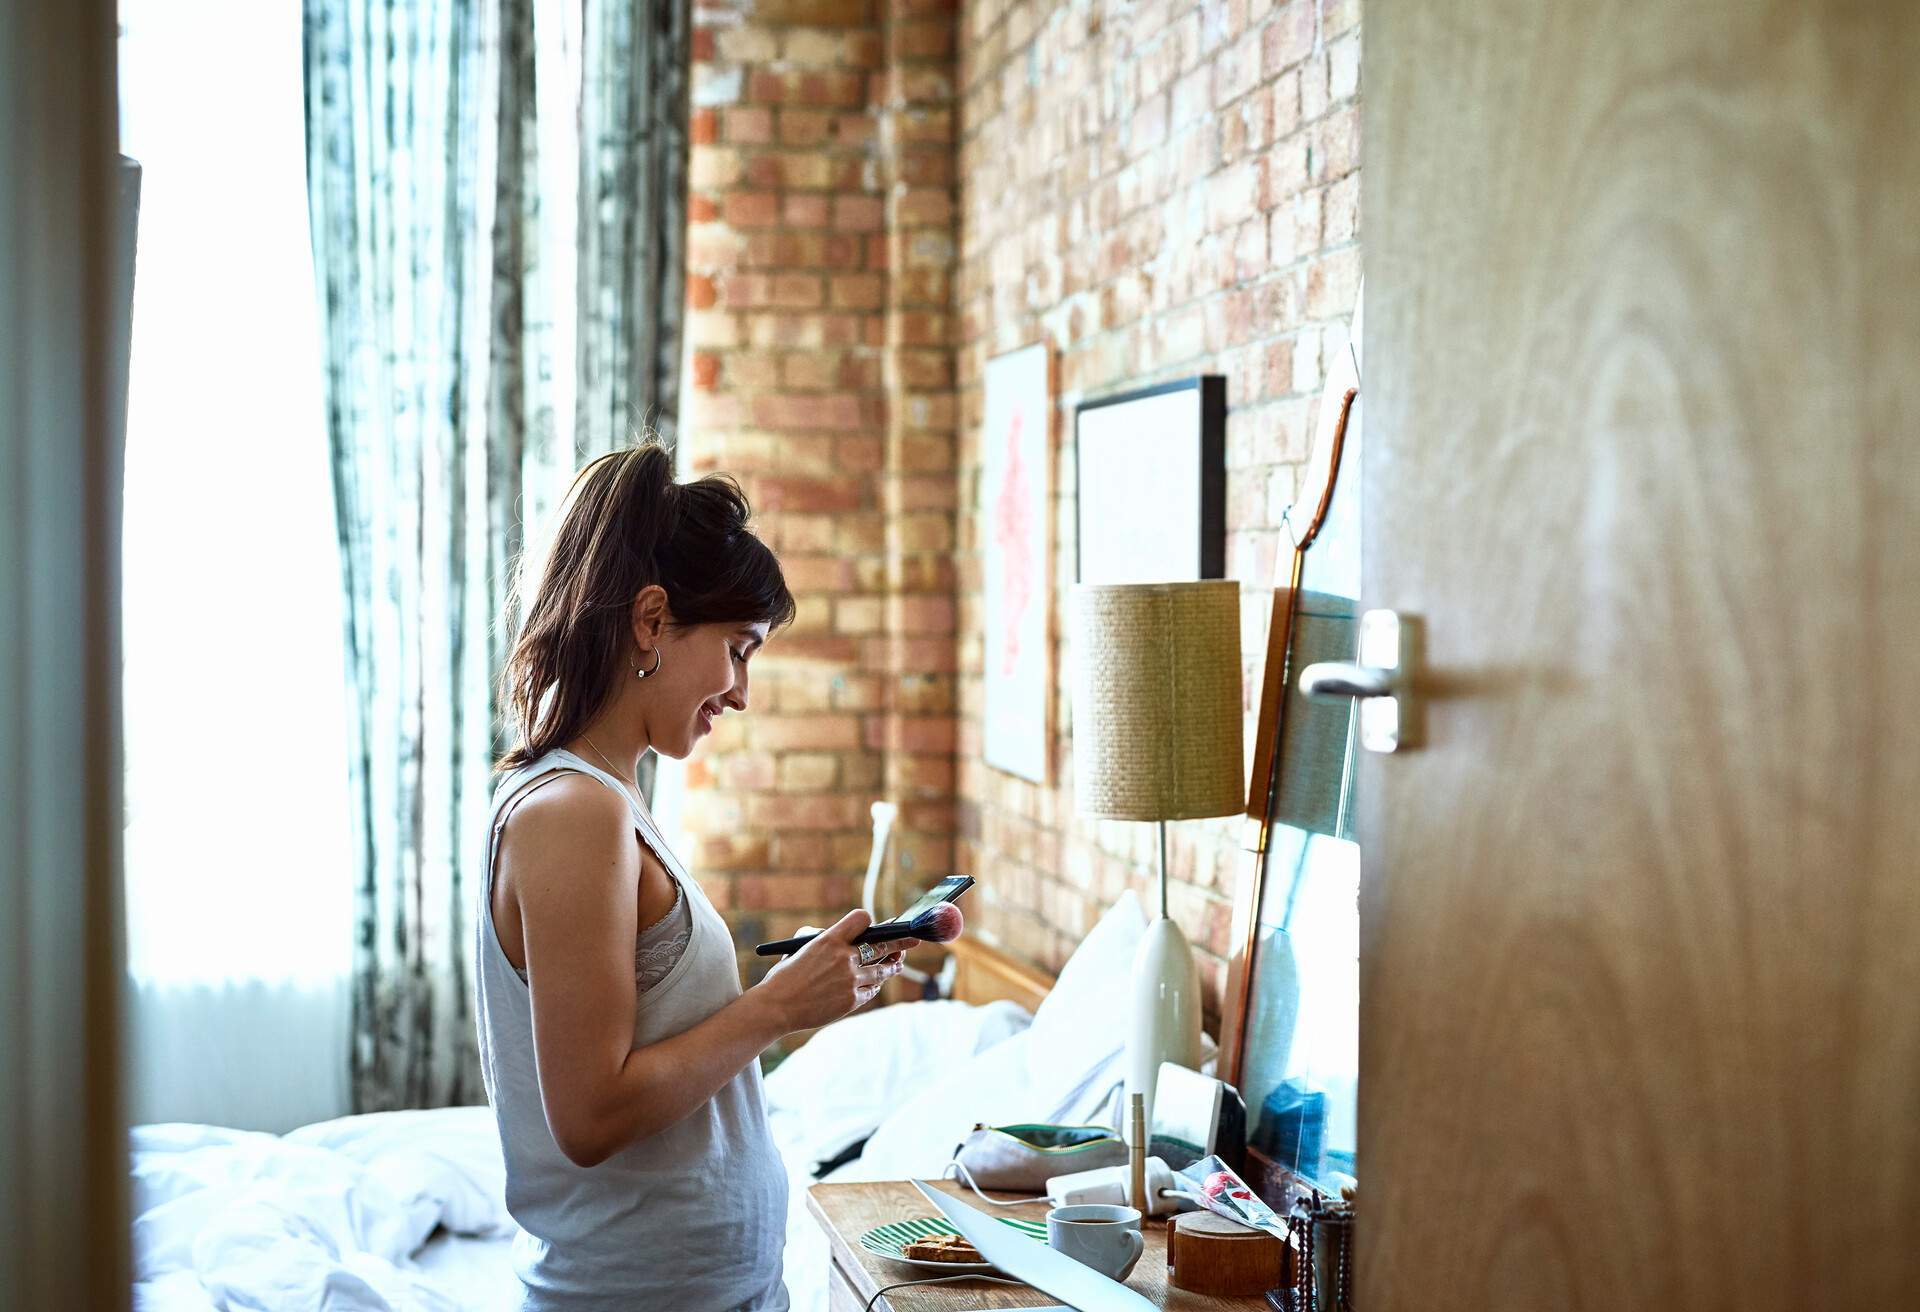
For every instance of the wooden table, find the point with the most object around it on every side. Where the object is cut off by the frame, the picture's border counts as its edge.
(847, 1211)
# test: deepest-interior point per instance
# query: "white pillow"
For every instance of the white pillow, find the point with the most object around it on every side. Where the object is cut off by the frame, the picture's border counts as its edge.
(997, 1087)
(1085, 1016)
(1063, 1070)
(848, 1077)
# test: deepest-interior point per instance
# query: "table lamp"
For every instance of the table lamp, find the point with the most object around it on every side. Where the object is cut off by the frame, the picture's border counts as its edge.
(1157, 736)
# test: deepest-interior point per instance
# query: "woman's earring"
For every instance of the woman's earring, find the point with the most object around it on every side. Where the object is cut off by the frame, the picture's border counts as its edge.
(639, 673)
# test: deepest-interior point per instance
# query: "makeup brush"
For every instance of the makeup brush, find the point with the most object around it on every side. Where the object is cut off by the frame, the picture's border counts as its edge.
(938, 924)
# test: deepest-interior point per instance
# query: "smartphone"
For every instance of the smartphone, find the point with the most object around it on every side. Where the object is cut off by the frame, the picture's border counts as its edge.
(901, 926)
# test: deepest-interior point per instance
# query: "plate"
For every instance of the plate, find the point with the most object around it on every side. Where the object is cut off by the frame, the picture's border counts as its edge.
(891, 1239)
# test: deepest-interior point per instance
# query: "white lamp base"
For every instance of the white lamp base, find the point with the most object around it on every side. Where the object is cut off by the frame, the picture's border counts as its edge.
(1166, 1009)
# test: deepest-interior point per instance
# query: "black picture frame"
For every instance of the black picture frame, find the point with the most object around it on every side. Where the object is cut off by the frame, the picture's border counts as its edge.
(1115, 486)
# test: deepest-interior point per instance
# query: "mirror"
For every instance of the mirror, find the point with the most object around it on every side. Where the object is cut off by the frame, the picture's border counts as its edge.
(1294, 1051)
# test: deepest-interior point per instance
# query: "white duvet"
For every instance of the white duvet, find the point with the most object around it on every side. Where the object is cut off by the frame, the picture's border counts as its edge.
(327, 1217)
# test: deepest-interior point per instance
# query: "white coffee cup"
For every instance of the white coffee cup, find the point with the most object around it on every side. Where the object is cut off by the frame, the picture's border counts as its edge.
(1100, 1235)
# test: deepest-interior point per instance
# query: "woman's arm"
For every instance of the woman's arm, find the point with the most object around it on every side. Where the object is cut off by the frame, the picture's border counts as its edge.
(576, 870)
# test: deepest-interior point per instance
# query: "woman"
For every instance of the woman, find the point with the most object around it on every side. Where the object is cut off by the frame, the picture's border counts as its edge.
(620, 1053)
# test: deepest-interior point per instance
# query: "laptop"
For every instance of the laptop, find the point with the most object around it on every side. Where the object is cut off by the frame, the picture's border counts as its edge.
(1078, 1287)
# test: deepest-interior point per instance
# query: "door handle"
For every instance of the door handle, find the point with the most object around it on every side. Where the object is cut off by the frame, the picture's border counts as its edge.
(1381, 680)
(1331, 679)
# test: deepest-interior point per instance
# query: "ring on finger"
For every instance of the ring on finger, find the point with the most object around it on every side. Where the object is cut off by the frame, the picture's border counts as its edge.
(867, 955)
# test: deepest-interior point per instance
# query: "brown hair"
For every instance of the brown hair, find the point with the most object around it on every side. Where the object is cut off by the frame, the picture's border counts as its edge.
(626, 524)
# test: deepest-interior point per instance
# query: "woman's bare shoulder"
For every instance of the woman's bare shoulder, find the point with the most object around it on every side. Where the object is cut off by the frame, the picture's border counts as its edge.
(573, 819)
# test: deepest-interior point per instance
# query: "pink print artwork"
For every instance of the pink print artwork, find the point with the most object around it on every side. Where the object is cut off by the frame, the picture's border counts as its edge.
(1012, 530)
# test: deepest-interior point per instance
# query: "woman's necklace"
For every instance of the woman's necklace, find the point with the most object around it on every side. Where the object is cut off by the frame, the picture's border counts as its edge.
(625, 782)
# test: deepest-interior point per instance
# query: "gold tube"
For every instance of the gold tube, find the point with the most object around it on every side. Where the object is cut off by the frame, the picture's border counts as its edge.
(1137, 1149)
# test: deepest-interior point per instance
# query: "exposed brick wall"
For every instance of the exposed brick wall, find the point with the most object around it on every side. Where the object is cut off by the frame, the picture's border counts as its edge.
(820, 254)
(1157, 190)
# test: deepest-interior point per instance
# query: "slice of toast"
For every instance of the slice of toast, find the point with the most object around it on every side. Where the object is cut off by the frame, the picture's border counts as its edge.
(941, 1248)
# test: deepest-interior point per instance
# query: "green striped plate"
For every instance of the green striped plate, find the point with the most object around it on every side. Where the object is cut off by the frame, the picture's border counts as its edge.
(890, 1240)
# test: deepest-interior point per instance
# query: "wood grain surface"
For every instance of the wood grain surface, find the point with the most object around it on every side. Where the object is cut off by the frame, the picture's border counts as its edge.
(1641, 923)
(986, 974)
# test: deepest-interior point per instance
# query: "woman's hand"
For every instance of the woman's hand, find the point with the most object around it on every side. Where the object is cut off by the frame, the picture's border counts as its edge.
(826, 979)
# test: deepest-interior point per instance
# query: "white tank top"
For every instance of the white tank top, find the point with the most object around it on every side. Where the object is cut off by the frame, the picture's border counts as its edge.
(693, 1217)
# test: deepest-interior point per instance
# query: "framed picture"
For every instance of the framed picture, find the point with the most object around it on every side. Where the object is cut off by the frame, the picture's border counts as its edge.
(1016, 460)
(1152, 478)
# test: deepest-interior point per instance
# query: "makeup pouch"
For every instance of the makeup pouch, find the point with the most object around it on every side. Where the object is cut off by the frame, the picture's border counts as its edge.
(1027, 1156)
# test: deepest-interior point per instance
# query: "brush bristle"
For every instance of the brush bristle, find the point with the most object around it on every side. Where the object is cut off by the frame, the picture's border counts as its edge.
(944, 924)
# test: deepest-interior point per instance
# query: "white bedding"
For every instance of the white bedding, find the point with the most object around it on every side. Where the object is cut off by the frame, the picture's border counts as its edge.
(406, 1210)
(328, 1217)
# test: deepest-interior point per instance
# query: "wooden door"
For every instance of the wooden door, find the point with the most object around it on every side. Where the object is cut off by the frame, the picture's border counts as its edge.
(1641, 922)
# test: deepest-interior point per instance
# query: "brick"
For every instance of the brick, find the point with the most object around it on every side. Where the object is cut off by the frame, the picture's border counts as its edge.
(808, 772)
(859, 534)
(1232, 195)
(745, 44)
(1333, 284)
(807, 733)
(1316, 91)
(1192, 101)
(1288, 38)
(857, 615)
(1236, 70)
(923, 615)
(921, 692)
(804, 211)
(1340, 211)
(712, 168)
(931, 39)
(863, 453)
(751, 370)
(920, 774)
(807, 494)
(922, 208)
(812, 813)
(1337, 141)
(796, 291)
(802, 851)
(857, 291)
(912, 733)
(813, 47)
(752, 209)
(1337, 16)
(1277, 368)
(783, 892)
(803, 127)
(1343, 67)
(858, 213)
(857, 692)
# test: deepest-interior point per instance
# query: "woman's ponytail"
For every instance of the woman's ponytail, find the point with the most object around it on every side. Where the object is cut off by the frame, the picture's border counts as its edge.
(626, 524)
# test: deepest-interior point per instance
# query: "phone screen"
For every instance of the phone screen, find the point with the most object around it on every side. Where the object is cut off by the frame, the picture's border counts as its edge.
(933, 897)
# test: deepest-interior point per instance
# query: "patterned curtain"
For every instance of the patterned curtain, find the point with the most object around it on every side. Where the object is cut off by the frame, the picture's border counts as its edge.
(497, 193)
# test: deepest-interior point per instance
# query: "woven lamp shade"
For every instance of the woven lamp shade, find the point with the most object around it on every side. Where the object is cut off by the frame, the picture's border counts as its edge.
(1156, 700)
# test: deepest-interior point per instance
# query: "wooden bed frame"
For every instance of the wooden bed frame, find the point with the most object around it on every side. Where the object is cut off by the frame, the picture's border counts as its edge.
(986, 974)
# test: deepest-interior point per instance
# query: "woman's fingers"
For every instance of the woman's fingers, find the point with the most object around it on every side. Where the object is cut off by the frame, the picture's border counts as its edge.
(892, 948)
(872, 977)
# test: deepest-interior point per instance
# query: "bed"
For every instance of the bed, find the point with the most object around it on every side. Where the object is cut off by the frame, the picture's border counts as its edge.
(405, 1210)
